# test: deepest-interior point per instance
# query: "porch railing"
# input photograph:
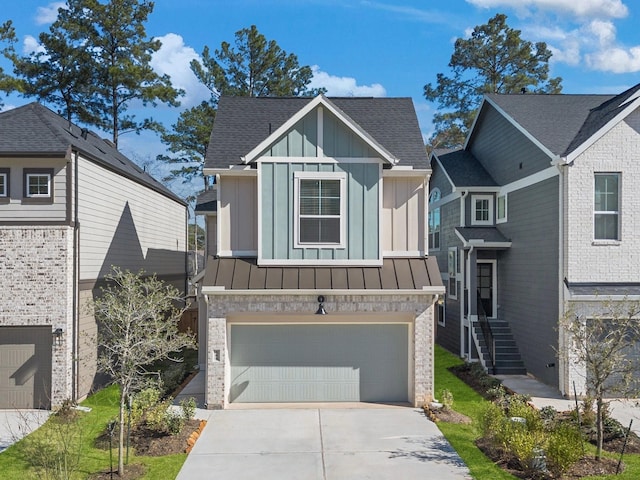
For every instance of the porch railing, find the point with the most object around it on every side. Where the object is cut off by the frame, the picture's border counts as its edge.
(487, 334)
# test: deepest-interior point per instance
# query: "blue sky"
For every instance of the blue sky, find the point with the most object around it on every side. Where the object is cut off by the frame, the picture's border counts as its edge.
(372, 48)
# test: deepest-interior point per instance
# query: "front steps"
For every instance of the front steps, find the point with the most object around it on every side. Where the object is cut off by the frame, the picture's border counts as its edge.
(508, 360)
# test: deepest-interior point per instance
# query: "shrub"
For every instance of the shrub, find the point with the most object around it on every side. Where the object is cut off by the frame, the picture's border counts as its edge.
(188, 407)
(156, 417)
(173, 422)
(143, 402)
(492, 422)
(446, 397)
(497, 394)
(564, 448)
(548, 416)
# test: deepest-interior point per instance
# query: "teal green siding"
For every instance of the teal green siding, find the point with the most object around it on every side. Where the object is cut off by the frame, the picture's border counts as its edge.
(339, 141)
(300, 141)
(362, 210)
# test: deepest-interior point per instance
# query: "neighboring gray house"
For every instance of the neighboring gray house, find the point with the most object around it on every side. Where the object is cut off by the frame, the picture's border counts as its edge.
(317, 285)
(537, 215)
(71, 206)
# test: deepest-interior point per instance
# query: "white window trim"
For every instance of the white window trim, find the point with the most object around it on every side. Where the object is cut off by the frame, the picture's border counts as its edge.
(616, 240)
(506, 208)
(442, 319)
(475, 198)
(434, 197)
(38, 195)
(342, 176)
(3, 193)
(451, 294)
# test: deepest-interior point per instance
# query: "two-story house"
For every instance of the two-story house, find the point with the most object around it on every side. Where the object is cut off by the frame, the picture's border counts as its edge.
(71, 206)
(317, 286)
(537, 216)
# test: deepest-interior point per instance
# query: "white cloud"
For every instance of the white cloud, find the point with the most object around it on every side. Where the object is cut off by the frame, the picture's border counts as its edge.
(615, 59)
(344, 86)
(581, 8)
(173, 59)
(30, 45)
(48, 14)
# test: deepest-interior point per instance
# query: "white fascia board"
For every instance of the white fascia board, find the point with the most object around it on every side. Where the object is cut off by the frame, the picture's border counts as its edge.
(434, 290)
(481, 243)
(521, 129)
(318, 263)
(474, 189)
(600, 133)
(233, 170)
(406, 172)
(309, 107)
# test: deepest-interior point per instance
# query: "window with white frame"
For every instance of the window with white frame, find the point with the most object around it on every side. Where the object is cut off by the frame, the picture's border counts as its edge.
(320, 209)
(439, 312)
(37, 184)
(4, 182)
(434, 220)
(501, 208)
(452, 262)
(481, 209)
(606, 210)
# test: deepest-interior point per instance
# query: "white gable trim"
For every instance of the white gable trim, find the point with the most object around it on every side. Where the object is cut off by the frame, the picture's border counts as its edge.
(321, 101)
(631, 106)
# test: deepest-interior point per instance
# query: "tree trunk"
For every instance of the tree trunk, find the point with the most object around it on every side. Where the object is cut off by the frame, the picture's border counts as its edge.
(121, 434)
(599, 426)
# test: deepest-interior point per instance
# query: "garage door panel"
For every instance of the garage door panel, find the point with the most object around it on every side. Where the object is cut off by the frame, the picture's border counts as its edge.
(25, 367)
(298, 363)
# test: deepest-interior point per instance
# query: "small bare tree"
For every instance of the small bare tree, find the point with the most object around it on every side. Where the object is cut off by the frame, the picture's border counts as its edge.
(137, 325)
(601, 343)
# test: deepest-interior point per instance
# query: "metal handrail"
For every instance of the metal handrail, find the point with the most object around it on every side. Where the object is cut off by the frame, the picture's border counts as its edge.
(486, 333)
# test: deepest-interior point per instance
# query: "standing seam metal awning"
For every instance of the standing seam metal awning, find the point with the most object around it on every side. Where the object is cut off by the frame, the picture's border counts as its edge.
(244, 274)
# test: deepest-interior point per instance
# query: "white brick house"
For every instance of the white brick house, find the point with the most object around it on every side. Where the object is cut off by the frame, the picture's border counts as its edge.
(555, 179)
(71, 206)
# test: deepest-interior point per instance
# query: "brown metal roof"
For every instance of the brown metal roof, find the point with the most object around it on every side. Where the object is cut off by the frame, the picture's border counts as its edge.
(395, 274)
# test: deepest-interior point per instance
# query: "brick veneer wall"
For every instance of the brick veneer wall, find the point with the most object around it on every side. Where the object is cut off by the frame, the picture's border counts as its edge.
(418, 307)
(36, 281)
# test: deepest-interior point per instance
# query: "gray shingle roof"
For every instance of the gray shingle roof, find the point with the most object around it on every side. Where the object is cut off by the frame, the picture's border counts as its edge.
(487, 234)
(464, 169)
(243, 122)
(207, 201)
(34, 130)
(559, 122)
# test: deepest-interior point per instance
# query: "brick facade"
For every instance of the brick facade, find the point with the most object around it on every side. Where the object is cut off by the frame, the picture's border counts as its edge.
(224, 307)
(36, 274)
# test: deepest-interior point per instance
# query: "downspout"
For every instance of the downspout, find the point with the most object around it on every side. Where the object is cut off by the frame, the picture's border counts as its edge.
(76, 286)
(186, 254)
(463, 196)
(563, 367)
(468, 282)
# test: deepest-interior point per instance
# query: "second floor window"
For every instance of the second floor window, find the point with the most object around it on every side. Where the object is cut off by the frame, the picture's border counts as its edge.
(482, 210)
(4, 182)
(607, 206)
(434, 220)
(320, 206)
(38, 185)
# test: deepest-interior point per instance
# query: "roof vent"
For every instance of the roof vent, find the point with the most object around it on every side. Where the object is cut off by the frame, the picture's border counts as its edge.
(523, 90)
(83, 133)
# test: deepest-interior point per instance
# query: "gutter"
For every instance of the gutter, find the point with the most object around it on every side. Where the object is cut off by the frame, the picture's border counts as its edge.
(432, 290)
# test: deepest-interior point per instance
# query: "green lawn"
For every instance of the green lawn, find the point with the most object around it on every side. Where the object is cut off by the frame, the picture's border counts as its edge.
(462, 437)
(104, 407)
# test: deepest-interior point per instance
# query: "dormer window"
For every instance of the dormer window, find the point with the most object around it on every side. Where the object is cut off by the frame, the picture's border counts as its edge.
(320, 209)
(482, 210)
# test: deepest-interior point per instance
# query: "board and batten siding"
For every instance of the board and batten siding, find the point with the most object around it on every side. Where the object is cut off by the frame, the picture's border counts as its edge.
(362, 210)
(403, 215)
(238, 216)
(126, 224)
(20, 209)
(509, 154)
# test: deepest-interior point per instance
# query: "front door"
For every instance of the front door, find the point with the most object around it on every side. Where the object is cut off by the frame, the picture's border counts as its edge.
(486, 286)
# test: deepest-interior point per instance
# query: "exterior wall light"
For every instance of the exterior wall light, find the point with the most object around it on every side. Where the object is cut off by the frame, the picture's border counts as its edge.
(57, 337)
(321, 310)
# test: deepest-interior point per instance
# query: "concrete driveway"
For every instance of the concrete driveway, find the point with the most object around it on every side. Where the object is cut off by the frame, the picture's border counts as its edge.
(15, 424)
(322, 443)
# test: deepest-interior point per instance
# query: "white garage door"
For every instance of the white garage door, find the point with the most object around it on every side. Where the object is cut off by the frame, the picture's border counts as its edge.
(319, 363)
(25, 367)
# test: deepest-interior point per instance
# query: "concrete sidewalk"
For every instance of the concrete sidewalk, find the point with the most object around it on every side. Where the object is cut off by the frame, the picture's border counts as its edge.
(543, 395)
